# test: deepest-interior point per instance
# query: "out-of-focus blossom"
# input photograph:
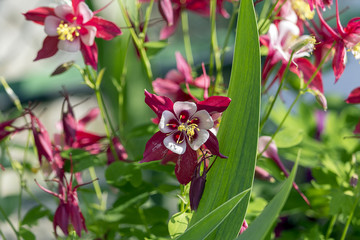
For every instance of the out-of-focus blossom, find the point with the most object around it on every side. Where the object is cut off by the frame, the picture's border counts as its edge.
(272, 153)
(184, 128)
(320, 118)
(171, 10)
(68, 211)
(72, 28)
(345, 38)
(244, 226)
(119, 150)
(262, 174)
(170, 86)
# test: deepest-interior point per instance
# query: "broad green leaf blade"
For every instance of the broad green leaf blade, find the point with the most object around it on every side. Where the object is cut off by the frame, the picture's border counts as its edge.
(238, 133)
(211, 221)
(259, 228)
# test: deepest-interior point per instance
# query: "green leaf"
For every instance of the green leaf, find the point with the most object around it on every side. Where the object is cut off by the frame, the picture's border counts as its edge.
(34, 214)
(26, 234)
(81, 159)
(262, 224)
(119, 173)
(202, 228)
(178, 223)
(289, 137)
(238, 133)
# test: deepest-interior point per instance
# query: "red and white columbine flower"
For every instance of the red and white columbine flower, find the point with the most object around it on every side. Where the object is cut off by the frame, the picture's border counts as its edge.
(72, 28)
(184, 128)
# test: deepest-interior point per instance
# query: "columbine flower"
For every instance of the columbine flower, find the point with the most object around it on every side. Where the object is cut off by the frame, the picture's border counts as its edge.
(72, 28)
(184, 128)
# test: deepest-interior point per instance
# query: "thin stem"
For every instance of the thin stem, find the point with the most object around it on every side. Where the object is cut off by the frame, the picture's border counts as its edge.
(139, 44)
(97, 188)
(9, 222)
(187, 42)
(214, 45)
(147, 19)
(277, 92)
(350, 218)
(229, 31)
(301, 92)
(268, 15)
(331, 226)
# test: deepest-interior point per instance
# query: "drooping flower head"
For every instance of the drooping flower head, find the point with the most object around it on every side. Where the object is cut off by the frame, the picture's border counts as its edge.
(184, 128)
(72, 28)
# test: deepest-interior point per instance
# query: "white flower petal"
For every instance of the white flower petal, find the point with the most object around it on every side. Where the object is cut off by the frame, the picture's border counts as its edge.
(287, 30)
(85, 12)
(165, 118)
(62, 10)
(199, 139)
(205, 120)
(190, 107)
(178, 148)
(51, 24)
(69, 46)
(88, 39)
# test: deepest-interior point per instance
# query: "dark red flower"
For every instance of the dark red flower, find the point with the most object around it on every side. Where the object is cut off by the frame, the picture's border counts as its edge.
(184, 128)
(72, 28)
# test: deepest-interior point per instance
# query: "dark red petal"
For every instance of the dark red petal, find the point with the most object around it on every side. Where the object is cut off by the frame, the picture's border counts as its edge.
(105, 29)
(90, 54)
(338, 64)
(183, 67)
(86, 138)
(158, 103)
(307, 68)
(38, 15)
(213, 145)
(48, 49)
(167, 31)
(357, 128)
(90, 116)
(166, 11)
(185, 166)
(214, 104)
(76, 216)
(354, 96)
(155, 148)
(61, 219)
(196, 188)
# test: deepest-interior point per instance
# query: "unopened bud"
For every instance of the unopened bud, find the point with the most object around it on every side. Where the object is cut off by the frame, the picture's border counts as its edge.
(197, 188)
(354, 180)
(304, 45)
(320, 98)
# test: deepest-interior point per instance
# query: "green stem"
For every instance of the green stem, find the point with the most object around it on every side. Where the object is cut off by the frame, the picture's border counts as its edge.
(268, 15)
(97, 188)
(277, 92)
(187, 42)
(331, 226)
(229, 30)
(214, 46)
(2, 234)
(147, 19)
(139, 44)
(350, 218)
(9, 222)
(301, 92)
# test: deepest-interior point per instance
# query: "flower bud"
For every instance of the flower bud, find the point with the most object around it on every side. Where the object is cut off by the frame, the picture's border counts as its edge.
(197, 188)
(354, 180)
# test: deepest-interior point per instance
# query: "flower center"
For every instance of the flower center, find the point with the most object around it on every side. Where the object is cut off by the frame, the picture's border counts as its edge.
(356, 50)
(67, 32)
(189, 127)
(302, 9)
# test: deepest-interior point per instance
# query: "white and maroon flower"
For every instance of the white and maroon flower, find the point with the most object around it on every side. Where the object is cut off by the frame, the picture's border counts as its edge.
(72, 28)
(184, 128)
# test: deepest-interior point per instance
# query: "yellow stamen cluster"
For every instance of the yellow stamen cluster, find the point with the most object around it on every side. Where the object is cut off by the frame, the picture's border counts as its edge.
(356, 51)
(67, 32)
(189, 129)
(302, 9)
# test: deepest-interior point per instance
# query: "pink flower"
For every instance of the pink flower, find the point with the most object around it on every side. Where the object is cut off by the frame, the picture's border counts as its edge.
(72, 28)
(170, 86)
(68, 211)
(184, 128)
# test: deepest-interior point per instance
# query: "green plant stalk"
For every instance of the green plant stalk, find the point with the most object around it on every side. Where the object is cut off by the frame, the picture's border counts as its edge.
(97, 188)
(350, 218)
(139, 45)
(215, 47)
(301, 92)
(147, 19)
(282, 81)
(268, 15)
(229, 30)
(331, 226)
(2, 234)
(186, 35)
(9, 222)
